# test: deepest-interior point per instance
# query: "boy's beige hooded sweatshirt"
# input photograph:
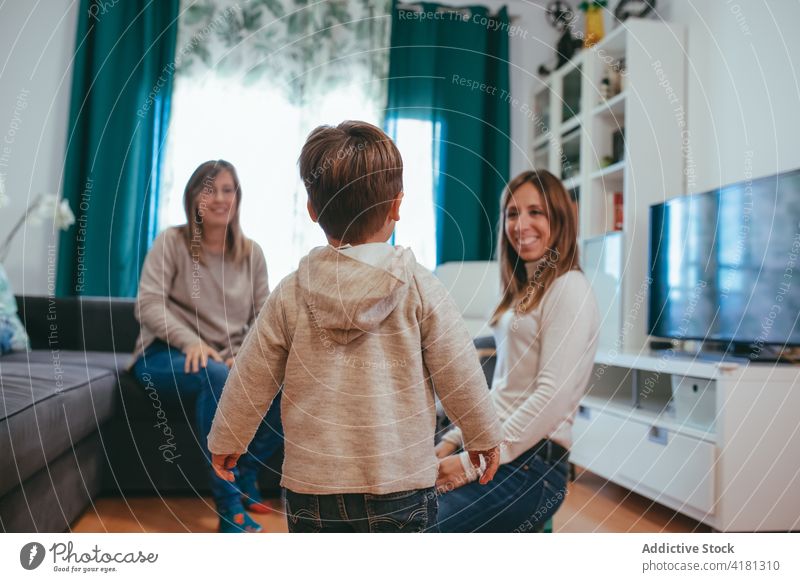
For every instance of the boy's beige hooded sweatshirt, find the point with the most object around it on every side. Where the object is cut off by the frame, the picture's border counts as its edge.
(359, 349)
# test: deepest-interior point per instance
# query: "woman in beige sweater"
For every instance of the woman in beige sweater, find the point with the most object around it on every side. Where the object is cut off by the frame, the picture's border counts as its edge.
(202, 286)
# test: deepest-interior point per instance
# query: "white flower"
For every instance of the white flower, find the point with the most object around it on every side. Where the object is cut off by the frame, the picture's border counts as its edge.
(64, 218)
(47, 207)
(42, 208)
(4, 200)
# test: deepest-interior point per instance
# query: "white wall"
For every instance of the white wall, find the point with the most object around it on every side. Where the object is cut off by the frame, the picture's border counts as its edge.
(36, 44)
(743, 87)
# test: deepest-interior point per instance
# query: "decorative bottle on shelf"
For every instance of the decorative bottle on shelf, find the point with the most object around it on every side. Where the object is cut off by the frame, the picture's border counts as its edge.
(618, 212)
(605, 88)
(614, 81)
(594, 21)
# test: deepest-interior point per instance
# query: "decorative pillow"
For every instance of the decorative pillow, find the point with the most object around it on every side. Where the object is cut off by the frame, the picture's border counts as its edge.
(12, 332)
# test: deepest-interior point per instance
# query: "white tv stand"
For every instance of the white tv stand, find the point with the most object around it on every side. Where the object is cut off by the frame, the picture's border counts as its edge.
(738, 470)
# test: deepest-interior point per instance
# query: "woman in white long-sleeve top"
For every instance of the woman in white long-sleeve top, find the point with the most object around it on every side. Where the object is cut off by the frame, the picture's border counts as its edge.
(545, 328)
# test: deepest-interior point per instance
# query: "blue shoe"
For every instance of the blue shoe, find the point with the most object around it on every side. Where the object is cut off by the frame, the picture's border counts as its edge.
(236, 520)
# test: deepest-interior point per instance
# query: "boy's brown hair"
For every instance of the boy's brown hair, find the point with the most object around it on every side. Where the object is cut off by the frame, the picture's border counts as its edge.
(351, 173)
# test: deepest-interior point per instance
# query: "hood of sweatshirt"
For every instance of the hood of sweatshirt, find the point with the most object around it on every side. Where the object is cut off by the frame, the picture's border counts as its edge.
(348, 297)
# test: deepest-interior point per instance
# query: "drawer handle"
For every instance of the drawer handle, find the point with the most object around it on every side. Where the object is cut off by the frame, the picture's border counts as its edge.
(583, 412)
(657, 435)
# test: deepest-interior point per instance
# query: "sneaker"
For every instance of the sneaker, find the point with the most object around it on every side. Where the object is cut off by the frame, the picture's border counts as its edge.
(236, 520)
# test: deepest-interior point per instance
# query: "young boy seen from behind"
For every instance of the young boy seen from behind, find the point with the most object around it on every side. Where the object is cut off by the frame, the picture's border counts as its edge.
(359, 336)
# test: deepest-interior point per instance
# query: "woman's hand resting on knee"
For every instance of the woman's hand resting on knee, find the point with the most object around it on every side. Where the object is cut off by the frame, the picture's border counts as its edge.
(197, 355)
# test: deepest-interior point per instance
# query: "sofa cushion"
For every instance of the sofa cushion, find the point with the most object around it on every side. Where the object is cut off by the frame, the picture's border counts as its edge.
(80, 323)
(45, 408)
(134, 402)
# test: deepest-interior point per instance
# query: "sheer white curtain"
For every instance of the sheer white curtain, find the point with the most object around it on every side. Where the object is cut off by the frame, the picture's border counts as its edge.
(252, 80)
(417, 226)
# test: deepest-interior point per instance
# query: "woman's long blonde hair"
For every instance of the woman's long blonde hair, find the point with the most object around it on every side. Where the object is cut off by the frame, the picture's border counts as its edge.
(237, 246)
(521, 292)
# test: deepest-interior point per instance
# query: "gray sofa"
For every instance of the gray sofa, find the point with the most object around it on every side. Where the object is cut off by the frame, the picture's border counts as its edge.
(75, 425)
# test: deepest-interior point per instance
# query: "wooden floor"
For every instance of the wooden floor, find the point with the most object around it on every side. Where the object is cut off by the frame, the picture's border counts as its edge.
(591, 505)
(595, 505)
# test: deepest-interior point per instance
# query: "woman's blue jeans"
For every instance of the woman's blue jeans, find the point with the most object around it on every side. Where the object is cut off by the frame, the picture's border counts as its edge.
(161, 367)
(523, 495)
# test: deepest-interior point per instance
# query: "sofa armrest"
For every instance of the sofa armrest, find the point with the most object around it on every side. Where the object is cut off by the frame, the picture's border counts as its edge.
(102, 324)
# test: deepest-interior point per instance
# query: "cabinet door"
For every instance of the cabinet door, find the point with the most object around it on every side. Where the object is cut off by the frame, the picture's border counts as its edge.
(671, 468)
(594, 436)
(679, 466)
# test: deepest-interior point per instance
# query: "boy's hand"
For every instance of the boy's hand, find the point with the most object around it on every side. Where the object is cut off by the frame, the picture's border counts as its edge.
(492, 457)
(223, 464)
(445, 449)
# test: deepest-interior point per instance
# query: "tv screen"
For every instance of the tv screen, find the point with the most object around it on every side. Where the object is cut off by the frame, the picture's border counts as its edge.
(725, 264)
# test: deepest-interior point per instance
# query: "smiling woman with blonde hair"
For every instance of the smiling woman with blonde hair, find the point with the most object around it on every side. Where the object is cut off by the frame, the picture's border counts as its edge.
(201, 288)
(545, 329)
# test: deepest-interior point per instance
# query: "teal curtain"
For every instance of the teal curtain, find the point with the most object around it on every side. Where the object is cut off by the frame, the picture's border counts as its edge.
(450, 66)
(121, 85)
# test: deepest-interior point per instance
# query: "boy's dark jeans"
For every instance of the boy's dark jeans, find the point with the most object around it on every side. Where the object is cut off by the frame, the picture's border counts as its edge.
(402, 512)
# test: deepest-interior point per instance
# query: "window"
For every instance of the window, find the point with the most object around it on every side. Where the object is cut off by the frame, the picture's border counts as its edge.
(417, 226)
(261, 133)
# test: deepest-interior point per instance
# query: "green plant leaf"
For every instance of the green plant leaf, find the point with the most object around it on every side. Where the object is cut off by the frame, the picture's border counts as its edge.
(197, 13)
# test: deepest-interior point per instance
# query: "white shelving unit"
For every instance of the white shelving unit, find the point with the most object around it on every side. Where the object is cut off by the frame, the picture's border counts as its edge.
(736, 469)
(722, 446)
(574, 140)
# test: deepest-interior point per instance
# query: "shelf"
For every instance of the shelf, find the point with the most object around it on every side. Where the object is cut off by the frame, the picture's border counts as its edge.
(613, 108)
(613, 43)
(598, 238)
(661, 419)
(610, 171)
(569, 125)
(618, 402)
(573, 63)
(541, 140)
(572, 183)
(668, 364)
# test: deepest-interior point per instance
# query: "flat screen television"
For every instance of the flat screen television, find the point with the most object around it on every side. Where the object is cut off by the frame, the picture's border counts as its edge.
(725, 266)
